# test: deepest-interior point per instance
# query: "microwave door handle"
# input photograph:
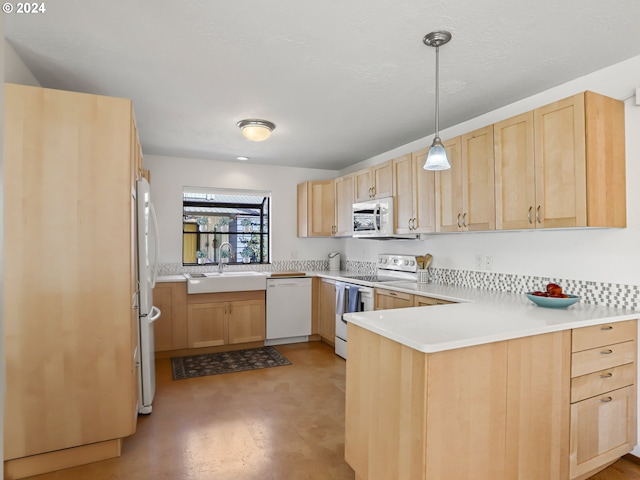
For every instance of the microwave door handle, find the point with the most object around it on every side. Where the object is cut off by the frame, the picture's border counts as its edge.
(376, 213)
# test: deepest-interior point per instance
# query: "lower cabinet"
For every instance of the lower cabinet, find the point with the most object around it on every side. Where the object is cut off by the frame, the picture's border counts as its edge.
(170, 330)
(327, 310)
(603, 396)
(215, 319)
(555, 406)
(390, 299)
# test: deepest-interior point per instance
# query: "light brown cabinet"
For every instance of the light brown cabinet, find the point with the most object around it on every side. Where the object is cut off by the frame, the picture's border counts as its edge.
(316, 208)
(374, 182)
(344, 187)
(327, 310)
(506, 413)
(603, 396)
(414, 194)
(555, 164)
(217, 319)
(421, 301)
(170, 330)
(465, 193)
(390, 299)
(70, 331)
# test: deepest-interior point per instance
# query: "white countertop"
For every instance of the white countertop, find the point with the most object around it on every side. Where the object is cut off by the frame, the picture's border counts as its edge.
(483, 316)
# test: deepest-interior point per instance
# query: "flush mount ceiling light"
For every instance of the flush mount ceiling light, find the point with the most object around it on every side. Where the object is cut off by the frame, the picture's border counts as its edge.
(437, 157)
(242, 159)
(256, 130)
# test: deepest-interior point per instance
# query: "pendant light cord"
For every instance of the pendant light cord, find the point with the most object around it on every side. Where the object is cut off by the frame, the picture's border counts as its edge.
(437, 91)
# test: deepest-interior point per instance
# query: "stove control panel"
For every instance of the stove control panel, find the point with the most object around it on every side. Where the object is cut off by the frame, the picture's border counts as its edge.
(398, 263)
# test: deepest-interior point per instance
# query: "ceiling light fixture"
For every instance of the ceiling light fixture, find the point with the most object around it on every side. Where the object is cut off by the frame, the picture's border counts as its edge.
(244, 159)
(437, 157)
(256, 130)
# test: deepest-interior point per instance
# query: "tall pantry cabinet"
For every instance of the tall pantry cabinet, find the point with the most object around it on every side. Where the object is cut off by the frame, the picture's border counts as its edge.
(71, 331)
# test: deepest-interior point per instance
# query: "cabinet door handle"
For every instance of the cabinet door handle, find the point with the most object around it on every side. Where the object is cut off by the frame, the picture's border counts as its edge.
(606, 400)
(393, 294)
(414, 223)
(529, 215)
(459, 226)
(606, 375)
(606, 352)
(606, 327)
(373, 191)
(464, 220)
(538, 214)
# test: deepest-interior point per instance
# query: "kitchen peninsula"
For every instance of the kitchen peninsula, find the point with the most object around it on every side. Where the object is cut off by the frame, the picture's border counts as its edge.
(492, 387)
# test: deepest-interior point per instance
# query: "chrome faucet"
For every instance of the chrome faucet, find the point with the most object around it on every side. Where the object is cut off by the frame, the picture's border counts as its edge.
(220, 263)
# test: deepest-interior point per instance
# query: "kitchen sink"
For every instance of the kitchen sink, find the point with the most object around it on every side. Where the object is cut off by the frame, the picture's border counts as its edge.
(214, 282)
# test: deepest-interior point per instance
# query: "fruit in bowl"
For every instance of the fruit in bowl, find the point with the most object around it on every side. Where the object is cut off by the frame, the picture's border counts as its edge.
(552, 297)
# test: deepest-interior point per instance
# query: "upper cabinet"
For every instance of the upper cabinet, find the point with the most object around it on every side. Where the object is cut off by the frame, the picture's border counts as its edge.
(344, 187)
(465, 192)
(414, 193)
(374, 182)
(515, 173)
(316, 208)
(557, 164)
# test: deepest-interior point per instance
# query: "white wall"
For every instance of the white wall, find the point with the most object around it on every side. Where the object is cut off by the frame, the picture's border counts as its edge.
(169, 175)
(606, 255)
(15, 71)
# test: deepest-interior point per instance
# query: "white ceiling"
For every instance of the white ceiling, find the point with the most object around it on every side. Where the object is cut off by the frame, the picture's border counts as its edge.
(343, 80)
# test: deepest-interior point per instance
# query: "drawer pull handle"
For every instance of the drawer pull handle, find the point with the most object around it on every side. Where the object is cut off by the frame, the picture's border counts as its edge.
(606, 352)
(608, 327)
(606, 400)
(606, 375)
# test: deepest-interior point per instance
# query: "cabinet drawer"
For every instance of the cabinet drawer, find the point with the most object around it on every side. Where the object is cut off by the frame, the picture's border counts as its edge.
(597, 383)
(606, 334)
(391, 293)
(607, 356)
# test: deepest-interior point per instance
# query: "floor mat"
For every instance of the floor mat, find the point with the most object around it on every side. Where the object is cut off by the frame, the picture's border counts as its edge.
(226, 362)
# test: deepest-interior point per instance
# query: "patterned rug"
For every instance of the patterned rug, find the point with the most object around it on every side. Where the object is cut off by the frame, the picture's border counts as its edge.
(226, 362)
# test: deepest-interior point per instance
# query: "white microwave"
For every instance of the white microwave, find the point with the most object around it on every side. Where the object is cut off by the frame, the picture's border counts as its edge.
(374, 219)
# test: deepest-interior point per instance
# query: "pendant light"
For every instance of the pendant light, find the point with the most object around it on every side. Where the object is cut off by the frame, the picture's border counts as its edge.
(437, 157)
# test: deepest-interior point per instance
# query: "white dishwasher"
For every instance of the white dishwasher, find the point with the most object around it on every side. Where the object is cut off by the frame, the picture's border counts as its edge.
(288, 310)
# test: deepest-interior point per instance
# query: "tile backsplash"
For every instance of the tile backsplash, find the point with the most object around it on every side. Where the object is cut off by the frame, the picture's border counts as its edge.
(596, 293)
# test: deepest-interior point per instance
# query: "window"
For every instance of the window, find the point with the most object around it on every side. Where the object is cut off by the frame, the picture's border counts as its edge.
(213, 216)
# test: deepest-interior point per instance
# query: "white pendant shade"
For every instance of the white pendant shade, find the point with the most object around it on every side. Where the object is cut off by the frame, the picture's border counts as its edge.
(437, 157)
(256, 130)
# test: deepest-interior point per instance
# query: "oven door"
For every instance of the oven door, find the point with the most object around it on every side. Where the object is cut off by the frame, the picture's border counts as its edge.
(365, 304)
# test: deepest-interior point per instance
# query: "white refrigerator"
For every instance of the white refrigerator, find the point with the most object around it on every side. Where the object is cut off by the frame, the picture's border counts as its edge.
(148, 248)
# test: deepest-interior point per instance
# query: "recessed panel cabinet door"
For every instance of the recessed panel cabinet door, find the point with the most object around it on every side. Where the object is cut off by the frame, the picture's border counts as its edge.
(424, 189)
(246, 321)
(560, 164)
(449, 196)
(515, 173)
(603, 428)
(207, 324)
(344, 205)
(478, 180)
(403, 194)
